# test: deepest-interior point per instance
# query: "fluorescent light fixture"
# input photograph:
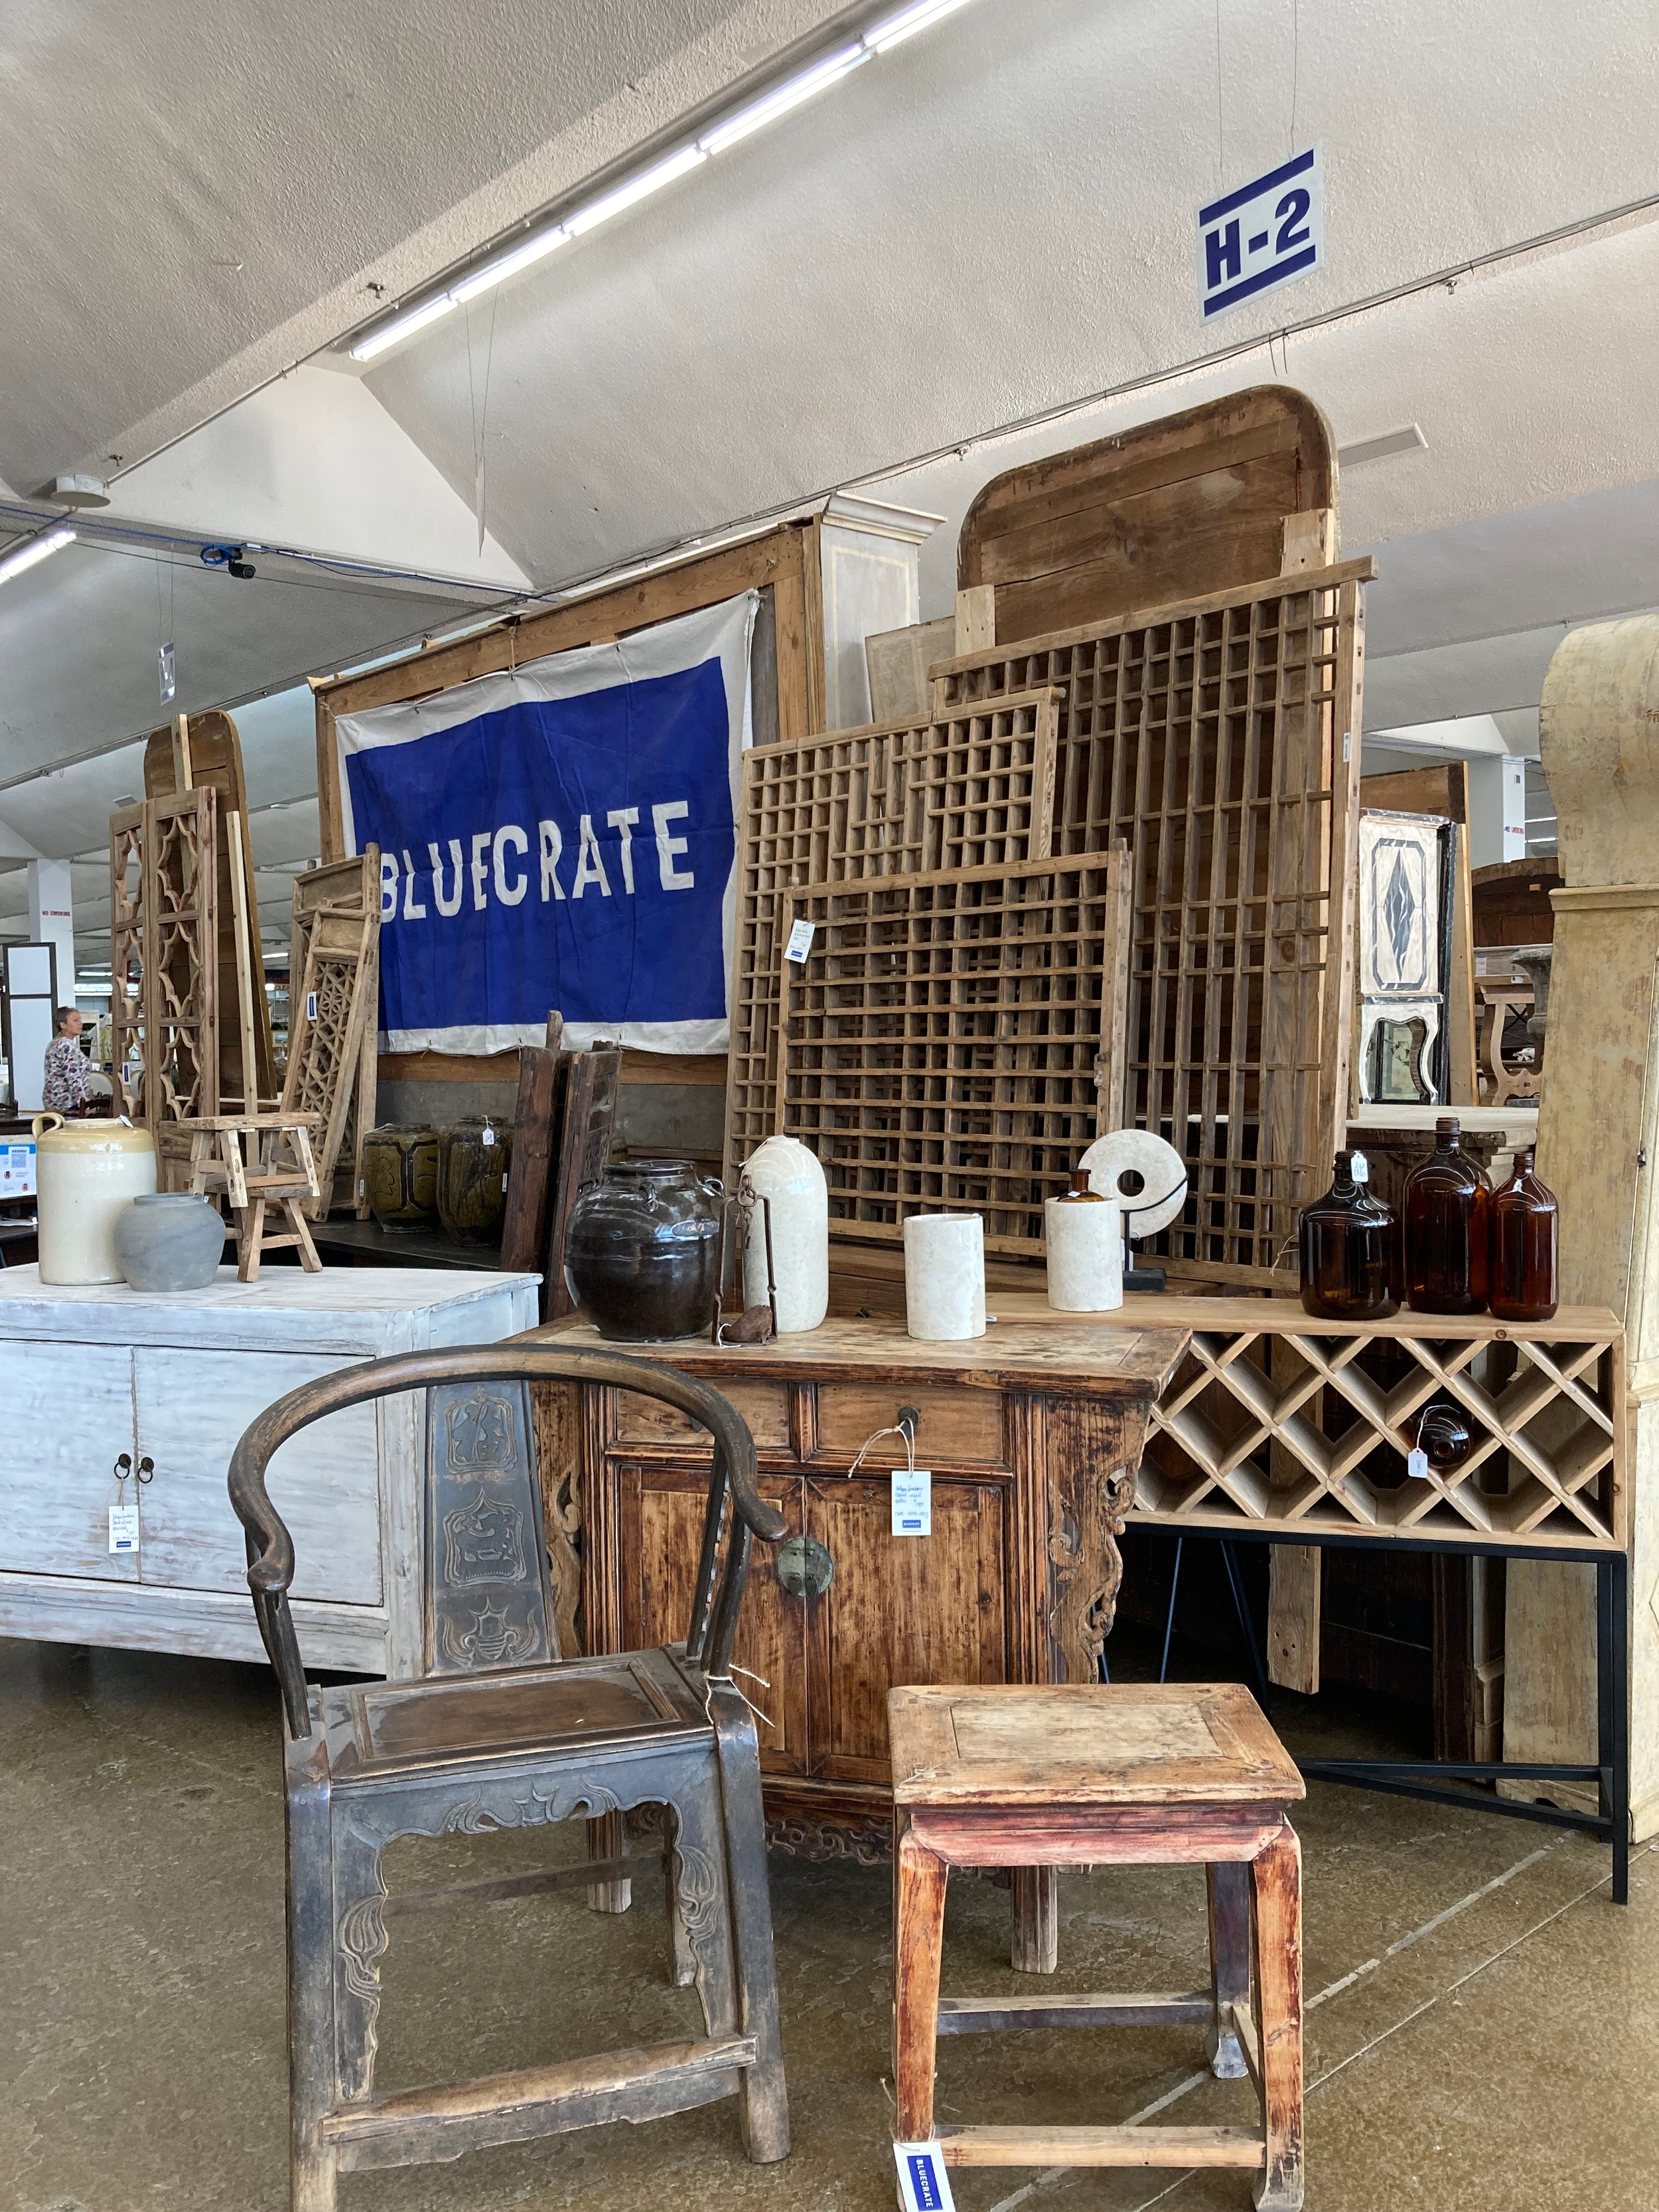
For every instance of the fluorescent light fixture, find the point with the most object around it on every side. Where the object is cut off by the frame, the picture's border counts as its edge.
(636, 189)
(36, 550)
(785, 96)
(1410, 439)
(405, 326)
(892, 30)
(522, 257)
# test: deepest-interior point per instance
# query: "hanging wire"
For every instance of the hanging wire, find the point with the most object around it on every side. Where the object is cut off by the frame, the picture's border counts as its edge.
(1296, 62)
(1221, 137)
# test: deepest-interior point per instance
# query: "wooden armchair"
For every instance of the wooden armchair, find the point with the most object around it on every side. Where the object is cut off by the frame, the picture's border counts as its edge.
(485, 1742)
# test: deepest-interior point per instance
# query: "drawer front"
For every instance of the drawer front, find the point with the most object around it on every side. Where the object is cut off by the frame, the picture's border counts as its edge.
(191, 1408)
(764, 1406)
(67, 1417)
(956, 1427)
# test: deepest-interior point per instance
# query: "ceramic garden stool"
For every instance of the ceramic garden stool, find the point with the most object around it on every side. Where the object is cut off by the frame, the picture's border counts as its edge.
(1127, 1774)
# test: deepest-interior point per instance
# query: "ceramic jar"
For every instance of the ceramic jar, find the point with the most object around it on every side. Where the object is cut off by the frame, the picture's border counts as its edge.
(400, 1177)
(945, 1277)
(642, 1251)
(86, 1173)
(472, 1162)
(786, 1173)
(169, 1241)
(1083, 1232)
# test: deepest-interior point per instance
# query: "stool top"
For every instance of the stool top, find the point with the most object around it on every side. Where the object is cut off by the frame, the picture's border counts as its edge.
(1118, 1743)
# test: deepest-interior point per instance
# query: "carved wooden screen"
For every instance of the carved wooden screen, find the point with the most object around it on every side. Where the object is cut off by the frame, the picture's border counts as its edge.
(163, 925)
(334, 991)
(948, 1042)
(1220, 740)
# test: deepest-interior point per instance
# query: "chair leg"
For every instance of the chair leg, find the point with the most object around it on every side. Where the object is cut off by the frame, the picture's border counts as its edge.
(919, 1877)
(360, 1941)
(1276, 1877)
(763, 2103)
(1229, 1885)
(605, 1839)
(1036, 1920)
(683, 1965)
(314, 2087)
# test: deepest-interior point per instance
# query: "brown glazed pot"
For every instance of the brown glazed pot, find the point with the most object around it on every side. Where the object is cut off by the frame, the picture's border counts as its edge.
(400, 1177)
(472, 1163)
(643, 1250)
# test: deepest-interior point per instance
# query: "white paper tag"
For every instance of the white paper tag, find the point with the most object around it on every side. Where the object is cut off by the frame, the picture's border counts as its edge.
(800, 941)
(913, 1501)
(488, 1138)
(503, 1182)
(924, 2186)
(124, 1528)
(1359, 1167)
(1417, 1465)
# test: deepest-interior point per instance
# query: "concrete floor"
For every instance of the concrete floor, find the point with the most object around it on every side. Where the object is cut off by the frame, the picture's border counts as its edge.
(1482, 2027)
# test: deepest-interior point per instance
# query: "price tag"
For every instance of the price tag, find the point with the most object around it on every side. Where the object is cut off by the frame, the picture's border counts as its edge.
(487, 1137)
(1359, 1167)
(913, 1501)
(801, 942)
(924, 2186)
(124, 1528)
(503, 1182)
(1417, 1465)
(311, 1006)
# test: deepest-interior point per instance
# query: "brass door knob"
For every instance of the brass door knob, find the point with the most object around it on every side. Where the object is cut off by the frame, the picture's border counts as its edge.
(804, 1568)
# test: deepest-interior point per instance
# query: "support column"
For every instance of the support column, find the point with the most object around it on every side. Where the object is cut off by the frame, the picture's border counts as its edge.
(51, 920)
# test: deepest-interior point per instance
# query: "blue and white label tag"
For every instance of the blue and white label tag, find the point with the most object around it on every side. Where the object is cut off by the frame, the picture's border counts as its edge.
(1264, 234)
(924, 2186)
(801, 942)
(913, 1501)
(124, 1528)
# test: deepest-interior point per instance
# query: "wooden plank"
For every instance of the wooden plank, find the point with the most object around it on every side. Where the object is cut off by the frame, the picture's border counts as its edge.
(244, 966)
(1134, 2147)
(524, 1223)
(1001, 2016)
(701, 1070)
(584, 1122)
(897, 661)
(1293, 1617)
(975, 626)
(1462, 1014)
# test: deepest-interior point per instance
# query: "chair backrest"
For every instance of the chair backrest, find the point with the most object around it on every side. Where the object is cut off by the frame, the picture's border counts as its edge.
(735, 1513)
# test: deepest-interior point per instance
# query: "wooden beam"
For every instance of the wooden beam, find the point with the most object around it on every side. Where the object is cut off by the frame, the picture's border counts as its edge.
(1293, 1595)
(1143, 2146)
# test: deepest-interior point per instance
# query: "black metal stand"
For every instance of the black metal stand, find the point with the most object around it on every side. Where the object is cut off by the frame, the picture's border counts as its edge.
(1427, 1778)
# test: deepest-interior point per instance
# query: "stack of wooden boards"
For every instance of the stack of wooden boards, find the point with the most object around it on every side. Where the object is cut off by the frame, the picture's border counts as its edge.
(1102, 874)
(562, 1126)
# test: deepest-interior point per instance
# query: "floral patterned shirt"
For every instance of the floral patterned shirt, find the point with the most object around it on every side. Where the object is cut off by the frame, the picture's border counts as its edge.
(67, 1083)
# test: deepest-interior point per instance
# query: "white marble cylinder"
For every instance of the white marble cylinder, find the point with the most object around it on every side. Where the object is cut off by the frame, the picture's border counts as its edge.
(945, 1277)
(786, 1173)
(1085, 1254)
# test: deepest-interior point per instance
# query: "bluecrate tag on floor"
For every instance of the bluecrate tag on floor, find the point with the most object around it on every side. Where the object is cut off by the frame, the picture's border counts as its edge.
(924, 2186)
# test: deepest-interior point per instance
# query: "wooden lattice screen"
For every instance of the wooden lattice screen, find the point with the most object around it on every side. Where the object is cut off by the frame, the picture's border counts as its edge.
(949, 1042)
(333, 1021)
(1220, 740)
(163, 933)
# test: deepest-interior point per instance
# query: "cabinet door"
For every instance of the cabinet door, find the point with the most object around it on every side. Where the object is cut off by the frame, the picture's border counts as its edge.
(65, 1417)
(192, 1406)
(659, 1513)
(899, 1609)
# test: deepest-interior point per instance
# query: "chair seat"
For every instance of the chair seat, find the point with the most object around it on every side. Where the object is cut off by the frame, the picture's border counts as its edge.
(375, 1729)
(1128, 1744)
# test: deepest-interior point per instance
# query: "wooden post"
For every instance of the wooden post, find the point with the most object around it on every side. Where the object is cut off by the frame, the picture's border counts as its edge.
(244, 966)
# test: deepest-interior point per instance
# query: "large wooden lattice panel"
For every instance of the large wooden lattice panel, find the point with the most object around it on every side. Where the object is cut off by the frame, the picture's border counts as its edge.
(900, 797)
(947, 1044)
(1273, 1416)
(163, 931)
(1220, 740)
(334, 986)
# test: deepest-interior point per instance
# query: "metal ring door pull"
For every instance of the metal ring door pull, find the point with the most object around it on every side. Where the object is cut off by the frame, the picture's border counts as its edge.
(804, 1568)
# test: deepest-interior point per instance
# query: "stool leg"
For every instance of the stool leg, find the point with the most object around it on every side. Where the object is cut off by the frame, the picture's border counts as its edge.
(1036, 1920)
(1276, 1878)
(251, 1222)
(919, 1877)
(1228, 1884)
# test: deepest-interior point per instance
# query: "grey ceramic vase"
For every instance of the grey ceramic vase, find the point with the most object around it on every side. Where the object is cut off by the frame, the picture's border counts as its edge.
(169, 1241)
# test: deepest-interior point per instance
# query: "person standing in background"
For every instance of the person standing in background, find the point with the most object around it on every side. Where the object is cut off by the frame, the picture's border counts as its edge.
(67, 1084)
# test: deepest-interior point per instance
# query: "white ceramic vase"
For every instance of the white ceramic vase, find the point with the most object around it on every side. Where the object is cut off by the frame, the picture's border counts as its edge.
(1085, 1254)
(787, 1172)
(87, 1173)
(945, 1277)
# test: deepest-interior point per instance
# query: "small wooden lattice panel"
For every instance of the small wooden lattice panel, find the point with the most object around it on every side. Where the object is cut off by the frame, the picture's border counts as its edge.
(1220, 740)
(1309, 1423)
(949, 1044)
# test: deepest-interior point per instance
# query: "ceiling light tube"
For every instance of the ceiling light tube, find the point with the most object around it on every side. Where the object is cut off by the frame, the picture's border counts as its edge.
(36, 550)
(636, 189)
(892, 30)
(404, 326)
(789, 94)
(522, 257)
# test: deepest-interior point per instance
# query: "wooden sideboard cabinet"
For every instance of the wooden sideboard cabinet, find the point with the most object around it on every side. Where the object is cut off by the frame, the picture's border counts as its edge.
(89, 1373)
(1032, 1438)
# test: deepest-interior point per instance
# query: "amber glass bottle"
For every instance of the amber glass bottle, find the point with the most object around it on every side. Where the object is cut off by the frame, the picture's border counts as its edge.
(1347, 1238)
(1526, 1246)
(1447, 1203)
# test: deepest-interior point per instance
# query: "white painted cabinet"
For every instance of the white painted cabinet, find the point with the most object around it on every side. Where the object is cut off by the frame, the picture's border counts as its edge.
(88, 1373)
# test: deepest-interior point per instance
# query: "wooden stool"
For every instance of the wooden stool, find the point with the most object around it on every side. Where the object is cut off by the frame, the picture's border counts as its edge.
(1126, 1774)
(259, 1178)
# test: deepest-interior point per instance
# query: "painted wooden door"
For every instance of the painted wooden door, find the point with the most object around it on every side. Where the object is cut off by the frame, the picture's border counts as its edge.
(65, 1417)
(191, 1408)
(661, 1515)
(898, 1609)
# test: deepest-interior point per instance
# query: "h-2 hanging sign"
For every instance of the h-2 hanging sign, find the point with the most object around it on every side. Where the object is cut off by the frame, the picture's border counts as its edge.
(1266, 234)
